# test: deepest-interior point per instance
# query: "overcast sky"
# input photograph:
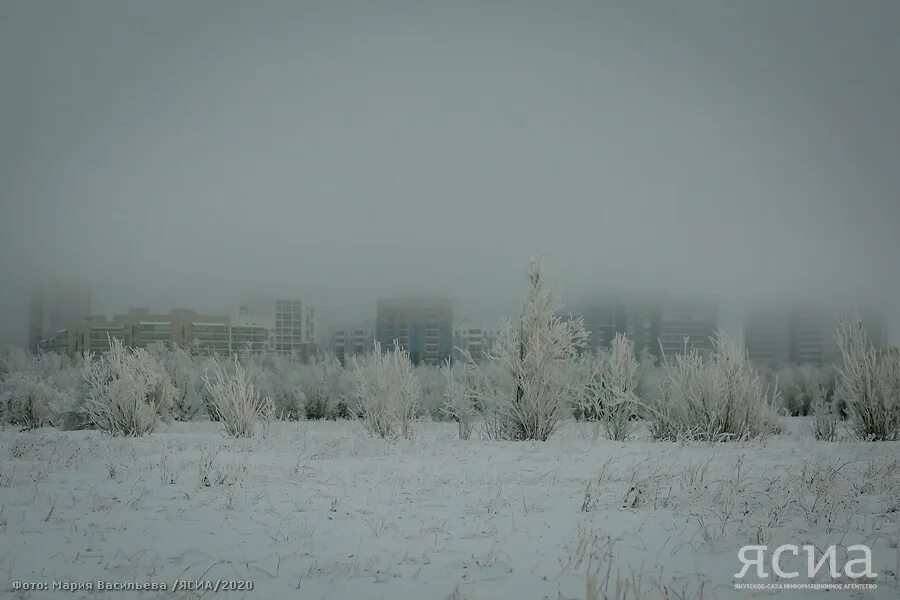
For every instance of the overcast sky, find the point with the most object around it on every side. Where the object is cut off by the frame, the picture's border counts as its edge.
(183, 153)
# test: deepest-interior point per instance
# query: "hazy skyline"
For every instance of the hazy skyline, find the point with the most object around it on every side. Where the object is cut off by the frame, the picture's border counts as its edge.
(182, 154)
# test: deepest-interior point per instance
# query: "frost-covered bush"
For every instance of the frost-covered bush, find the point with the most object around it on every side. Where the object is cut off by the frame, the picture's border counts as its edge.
(611, 392)
(798, 387)
(433, 387)
(538, 353)
(461, 400)
(237, 403)
(37, 390)
(869, 385)
(280, 378)
(128, 391)
(207, 400)
(652, 380)
(13, 360)
(26, 400)
(718, 398)
(826, 417)
(67, 380)
(186, 373)
(386, 392)
(327, 387)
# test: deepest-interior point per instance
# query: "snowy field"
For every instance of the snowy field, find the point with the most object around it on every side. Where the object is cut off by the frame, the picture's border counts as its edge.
(323, 510)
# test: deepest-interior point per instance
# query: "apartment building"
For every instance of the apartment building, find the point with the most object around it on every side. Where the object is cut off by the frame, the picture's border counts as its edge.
(655, 322)
(52, 307)
(422, 326)
(295, 329)
(201, 334)
(251, 332)
(351, 340)
(687, 322)
(803, 335)
(472, 340)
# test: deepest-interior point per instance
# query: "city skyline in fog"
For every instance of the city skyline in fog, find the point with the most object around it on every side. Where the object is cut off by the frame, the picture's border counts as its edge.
(731, 318)
(182, 156)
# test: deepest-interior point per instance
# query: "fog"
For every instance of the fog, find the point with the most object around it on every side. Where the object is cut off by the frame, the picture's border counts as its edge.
(183, 154)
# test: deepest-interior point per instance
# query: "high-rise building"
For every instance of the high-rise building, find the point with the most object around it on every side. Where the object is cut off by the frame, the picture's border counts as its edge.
(53, 307)
(767, 337)
(471, 339)
(778, 336)
(295, 328)
(309, 330)
(604, 316)
(94, 335)
(422, 326)
(208, 337)
(803, 335)
(351, 340)
(635, 315)
(60, 342)
(266, 324)
(687, 322)
(201, 334)
(252, 333)
(288, 326)
(811, 337)
(654, 322)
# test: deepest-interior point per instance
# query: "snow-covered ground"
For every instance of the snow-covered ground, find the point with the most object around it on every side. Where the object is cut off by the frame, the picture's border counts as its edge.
(322, 510)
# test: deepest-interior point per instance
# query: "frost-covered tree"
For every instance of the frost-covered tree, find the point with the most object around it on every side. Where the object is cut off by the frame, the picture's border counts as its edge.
(869, 385)
(128, 391)
(720, 397)
(237, 403)
(611, 395)
(538, 353)
(386, 392)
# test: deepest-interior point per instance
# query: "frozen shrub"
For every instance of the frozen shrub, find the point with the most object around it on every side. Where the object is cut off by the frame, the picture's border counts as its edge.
(128, 391)
(869, 385)
(717, 398)
(280, 378)
(205, 474)
(70, 385)
(26, 400)
(610, 396)
(13, 360)
(460, 397)
(326, 387)
(825, 417)
(74, 419)
(538, 354)
(490, 384)
(386, 392)
(798, 387)
(235, 400)
(37, 390)
(433, 387)
(206, 398)
(187, 378)
(652, 382)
